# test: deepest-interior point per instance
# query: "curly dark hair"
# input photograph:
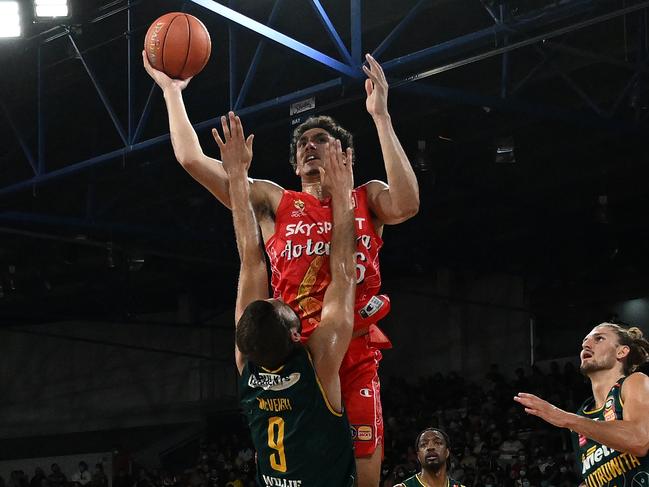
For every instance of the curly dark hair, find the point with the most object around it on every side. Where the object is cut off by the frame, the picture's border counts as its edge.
(326, 123)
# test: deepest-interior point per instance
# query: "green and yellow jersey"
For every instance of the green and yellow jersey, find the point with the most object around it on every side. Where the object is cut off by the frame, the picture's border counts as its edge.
(600, 465)
(415, 481)
(301, 441)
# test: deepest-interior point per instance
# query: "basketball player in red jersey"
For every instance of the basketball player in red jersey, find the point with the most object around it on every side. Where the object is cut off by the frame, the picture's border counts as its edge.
(296, 230)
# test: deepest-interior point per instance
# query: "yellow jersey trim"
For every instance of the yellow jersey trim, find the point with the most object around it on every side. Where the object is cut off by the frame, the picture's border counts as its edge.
(448, 482)
(271, 371)
(324, 395)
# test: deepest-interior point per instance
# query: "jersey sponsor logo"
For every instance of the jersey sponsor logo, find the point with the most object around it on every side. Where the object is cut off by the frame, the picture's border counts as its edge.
(371, 308)
(277, 482)
(307, 229)
(275, 404)
(364, 433)
(615, 468)
(319, 228)
(273, 382)
(582, 441)
(366, 392)
(594, 455)
(609, 410)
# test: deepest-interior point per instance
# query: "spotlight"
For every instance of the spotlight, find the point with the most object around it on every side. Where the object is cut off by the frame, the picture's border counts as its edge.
(50, 9)
(505, 150)
(9, 19)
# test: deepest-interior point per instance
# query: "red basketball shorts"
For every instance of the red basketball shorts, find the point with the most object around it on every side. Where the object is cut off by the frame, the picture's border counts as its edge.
(361, 394)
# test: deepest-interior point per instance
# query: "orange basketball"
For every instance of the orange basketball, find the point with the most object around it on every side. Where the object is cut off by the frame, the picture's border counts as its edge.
(178, 44)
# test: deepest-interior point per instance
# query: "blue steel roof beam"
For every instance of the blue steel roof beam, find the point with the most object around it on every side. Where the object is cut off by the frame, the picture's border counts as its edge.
(571, 83)
(278, 37)
(396, 32)
(275, 102)
(21, 140)
(519, 106)
(100, 92)
(331, 31)
(59, 221)
(528, 77)
(511, 47)
(256, 58)
(623, 93)
(145, 114)
(470, 41)
(119, 153)
(356, 31)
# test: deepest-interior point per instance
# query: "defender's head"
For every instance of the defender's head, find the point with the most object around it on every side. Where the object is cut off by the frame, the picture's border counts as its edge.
(308, 142)
(433, 449)
(610, 345)
(268, 332)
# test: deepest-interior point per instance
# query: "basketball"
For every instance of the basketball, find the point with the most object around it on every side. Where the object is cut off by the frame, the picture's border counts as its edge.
(178, 44)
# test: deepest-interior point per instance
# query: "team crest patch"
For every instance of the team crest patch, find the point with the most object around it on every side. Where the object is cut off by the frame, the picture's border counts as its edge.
(273, 382)
(299, 209)
(364, 433)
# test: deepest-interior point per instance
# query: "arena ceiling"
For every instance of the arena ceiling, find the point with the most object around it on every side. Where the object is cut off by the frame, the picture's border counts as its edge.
(98, 221)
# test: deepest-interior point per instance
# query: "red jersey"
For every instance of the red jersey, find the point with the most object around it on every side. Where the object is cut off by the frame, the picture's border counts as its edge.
(299, 256)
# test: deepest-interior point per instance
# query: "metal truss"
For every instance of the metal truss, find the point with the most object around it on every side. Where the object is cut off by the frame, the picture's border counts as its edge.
(347, 70)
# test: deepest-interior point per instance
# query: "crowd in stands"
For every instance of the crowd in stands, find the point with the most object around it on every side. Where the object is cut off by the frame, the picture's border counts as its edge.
(493, 442)
(57, 478)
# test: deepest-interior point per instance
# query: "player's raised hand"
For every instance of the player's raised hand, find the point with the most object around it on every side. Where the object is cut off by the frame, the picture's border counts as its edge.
(236, 150)
(538, 407)
(376, 87)
(336, 173)
(161, 79)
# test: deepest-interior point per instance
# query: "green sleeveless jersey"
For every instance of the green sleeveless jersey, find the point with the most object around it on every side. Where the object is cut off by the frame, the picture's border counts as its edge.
(600, 465)
(300, 440)
(414, 481)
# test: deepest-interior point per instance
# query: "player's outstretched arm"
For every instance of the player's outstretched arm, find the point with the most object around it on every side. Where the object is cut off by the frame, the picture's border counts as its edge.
(236, 152)
(329, 342)
(209, 172)
(399, 199)
(630, 434)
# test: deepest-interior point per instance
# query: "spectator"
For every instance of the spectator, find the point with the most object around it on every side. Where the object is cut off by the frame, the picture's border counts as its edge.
(56, 478)
(82, 477)
(99, 478)
(37, 479)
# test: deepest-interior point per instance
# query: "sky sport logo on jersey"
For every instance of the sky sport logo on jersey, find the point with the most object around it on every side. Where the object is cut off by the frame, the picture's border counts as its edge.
(273, 382)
